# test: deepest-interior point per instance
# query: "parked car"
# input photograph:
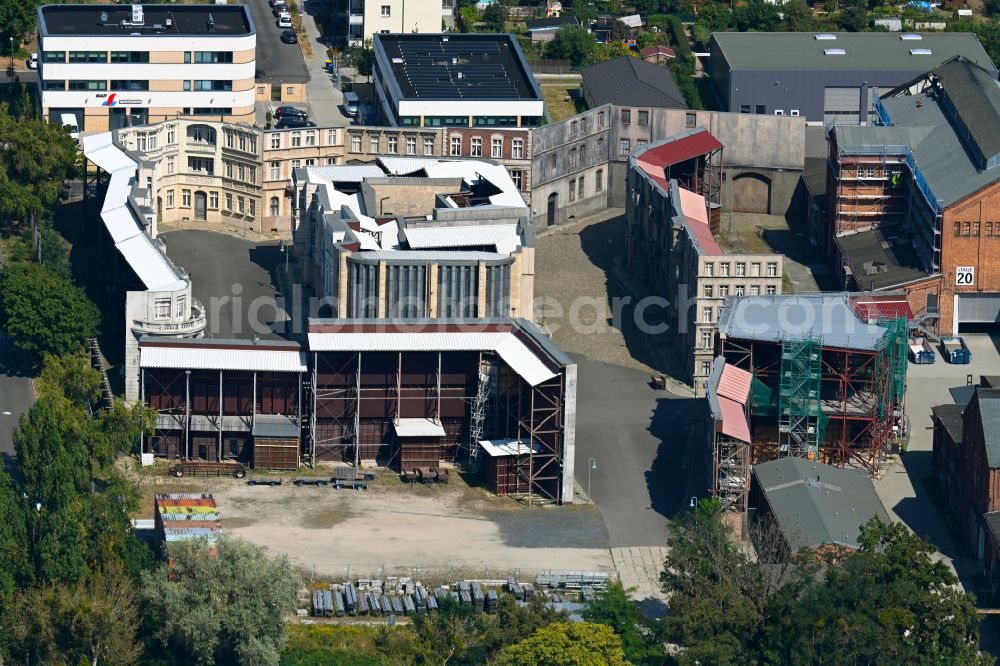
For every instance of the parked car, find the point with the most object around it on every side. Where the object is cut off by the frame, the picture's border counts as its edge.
(351, 103)
(287, 122)
(289, 37)
(32, 61)
(285, 20)
(291, 111)
(279, 7)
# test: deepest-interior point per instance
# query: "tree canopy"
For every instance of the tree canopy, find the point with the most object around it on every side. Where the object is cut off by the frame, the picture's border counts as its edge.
(566, 644)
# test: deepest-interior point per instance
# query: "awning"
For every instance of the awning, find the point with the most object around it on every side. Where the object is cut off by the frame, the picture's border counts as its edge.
(506, 447)
(734, 420)
(417, 428)
(281, 427)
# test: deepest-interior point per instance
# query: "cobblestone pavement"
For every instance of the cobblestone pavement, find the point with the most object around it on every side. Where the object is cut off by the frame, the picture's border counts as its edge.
(639, 567)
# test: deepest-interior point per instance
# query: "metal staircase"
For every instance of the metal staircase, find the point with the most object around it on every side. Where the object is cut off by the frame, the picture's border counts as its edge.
(97, 361)
(482, 407)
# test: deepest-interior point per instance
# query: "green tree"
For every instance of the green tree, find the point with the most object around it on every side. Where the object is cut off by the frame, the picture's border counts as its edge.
(757, 16)
(853, 19)
(44, 313)
(640, 637)
(30, 179)
(573, 43)
(566, 644)
(69, 378)
(797, 16)
(363, 58)
(715, 16)
(888, 603)
(16, 19)
(220, 603)
(495, 17)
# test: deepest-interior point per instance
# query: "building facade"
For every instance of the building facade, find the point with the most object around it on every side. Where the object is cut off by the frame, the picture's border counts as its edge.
(454, 80)
(367, 18)
(826, 78)
(112, 66)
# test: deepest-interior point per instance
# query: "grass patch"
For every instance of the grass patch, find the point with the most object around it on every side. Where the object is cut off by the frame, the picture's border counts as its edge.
(340, 645)
(557, 103)
(321, 519)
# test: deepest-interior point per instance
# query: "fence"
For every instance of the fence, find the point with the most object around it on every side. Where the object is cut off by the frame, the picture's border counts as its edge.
(552, 67)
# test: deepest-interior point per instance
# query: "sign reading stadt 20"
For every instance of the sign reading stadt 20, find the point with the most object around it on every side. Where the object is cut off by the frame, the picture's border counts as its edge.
(965, 275)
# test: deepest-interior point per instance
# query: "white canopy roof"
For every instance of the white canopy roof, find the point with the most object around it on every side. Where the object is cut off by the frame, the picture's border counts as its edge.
(209, 358)
(417, 428)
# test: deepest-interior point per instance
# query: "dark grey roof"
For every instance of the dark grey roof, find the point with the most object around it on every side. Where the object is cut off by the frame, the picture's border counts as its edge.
(992, 520)
(862, 50)
(275, 426)
(974, 93)
(884, 249)
(814, 175)
(550, 23)
(989, 417)
(816, 504)
(186, 20)
(629, 81)
(950, 416)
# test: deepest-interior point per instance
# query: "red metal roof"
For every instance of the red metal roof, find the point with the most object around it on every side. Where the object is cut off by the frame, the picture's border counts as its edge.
(679, 150)
(658, 49)
(734, 383)
(694, 209)
(734, 420)
(874, 307)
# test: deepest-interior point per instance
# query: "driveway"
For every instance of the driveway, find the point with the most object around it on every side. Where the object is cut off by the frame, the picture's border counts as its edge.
(276, 62)
(16, 398)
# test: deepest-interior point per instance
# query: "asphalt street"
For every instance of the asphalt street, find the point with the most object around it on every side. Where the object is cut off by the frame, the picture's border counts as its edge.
(16, 397)
(276, 62)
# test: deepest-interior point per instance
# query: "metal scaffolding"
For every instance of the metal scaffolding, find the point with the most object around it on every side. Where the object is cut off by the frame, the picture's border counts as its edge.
(798, 398)
(482, 408)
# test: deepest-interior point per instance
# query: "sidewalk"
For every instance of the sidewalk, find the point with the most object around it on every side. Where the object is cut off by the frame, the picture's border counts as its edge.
(325, 99)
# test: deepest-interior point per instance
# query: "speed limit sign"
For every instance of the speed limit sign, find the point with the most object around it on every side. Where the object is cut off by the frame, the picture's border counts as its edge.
(965, 275)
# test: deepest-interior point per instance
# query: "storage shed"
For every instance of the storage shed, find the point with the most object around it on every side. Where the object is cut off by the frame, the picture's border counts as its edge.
(501, 464)
(417, 442)
(276, 443)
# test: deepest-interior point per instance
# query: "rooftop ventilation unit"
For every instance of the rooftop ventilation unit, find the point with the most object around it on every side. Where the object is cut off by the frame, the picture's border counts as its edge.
(170, 23)
(826, 36)
(211, 23)
(137, 18)
(834, 52)
(911, 37)
(104, 18)
(920, 51)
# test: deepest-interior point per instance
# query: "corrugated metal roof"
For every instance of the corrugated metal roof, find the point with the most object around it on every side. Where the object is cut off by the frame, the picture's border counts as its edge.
(818, 504)
(506, 447)
(679, 147)
(402, 166)
(735, 383)
(505, 237)
(197, 358)
(826, 316)
(417, 428)
(873, 309)
(734, 420)
(149, 264)
(120, 224)
(266, 425)
(343, 173)
(523, 361)
(429, 255)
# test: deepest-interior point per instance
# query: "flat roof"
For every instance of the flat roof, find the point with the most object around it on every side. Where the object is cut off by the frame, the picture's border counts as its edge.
(881, 258)
(865, 51)
(457, 67)
(185, 20)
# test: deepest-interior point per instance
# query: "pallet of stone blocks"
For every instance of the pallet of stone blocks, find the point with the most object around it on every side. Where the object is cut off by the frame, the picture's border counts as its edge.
(574, 580)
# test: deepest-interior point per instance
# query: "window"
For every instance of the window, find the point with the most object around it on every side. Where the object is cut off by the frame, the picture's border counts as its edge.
(966, 229)
(572, 189)
(738, 290)
(331, 161)
(496, 147)
(580, 187)
(572, 129)
(794, 112)
(755, 269)
(975, 228)
(644, 117)
(708, 291)
(518, 178)
(130, 56)
(744, 108)
(252, 173)
(54, 56)
(185, 198)
(572, 158)
(213, 56)
(724, 270)
(170, 198)
(296, 164)
(706, 368)
(989, 228)
(706, 315)
(170, 165)
(958, 228)
(88, 56)
(429, 146)
(770, 290)
(296, 139)
(229, 201)
(242, 171)
(624, 146)
(385, 11)
(476, 147)
(331, 137)
(583, 154)
(723, 290)
(600, 120)
(456, 145)
(274, 206)
(187, 86)
(161, 308)
(772, 269)
(88, 85)
(229, 169)
(393, 145)
(626, 117)
(690, 120)
(706, 339)
(240, 204)
(252, 207)
(411, 145)
(210, 85)
(600, 147)
(187, 57)
(310, 161)
(583, 125)
(779, 112)
(253, 143)
(754, 290)
(355, 143)
(213, 200)
(517, 148)
(741, 269)
(599, 181)
(760, 109)
(311, 138)
(373, 144)
(709, 270)
(275, 170)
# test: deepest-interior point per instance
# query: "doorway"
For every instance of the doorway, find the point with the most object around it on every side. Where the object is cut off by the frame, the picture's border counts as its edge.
(550, 215)
(200, 205)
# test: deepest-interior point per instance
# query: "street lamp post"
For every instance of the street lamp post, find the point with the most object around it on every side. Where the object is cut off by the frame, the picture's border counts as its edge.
(10, 68)
(694, 503)
(590, 468)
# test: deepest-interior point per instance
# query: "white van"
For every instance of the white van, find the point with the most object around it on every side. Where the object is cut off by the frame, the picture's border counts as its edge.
(69, 120)
(351, 103)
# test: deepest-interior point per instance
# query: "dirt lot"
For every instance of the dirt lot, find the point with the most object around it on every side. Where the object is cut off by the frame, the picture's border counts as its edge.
(440, 531)
(805, 266)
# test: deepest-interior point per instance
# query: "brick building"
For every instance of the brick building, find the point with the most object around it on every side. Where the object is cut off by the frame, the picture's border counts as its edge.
(914, 203)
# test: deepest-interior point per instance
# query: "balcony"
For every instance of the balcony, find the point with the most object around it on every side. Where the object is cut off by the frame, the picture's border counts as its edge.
(356, 19)
(190, 327)
(201, 147)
